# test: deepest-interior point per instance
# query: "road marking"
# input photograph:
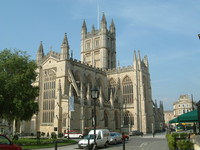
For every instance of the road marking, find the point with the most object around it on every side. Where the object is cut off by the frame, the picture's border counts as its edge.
(143, 144)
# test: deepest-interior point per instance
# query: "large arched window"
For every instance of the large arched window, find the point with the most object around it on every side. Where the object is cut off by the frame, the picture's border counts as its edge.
(128, 119)
(49, 96)
(127, 90)
(112, 87)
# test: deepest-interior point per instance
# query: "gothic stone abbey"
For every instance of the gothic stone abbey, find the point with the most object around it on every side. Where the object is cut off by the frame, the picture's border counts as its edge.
(125, 101)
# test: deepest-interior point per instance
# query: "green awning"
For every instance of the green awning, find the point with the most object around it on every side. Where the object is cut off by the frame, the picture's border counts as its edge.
(175, 120)
(187, 117)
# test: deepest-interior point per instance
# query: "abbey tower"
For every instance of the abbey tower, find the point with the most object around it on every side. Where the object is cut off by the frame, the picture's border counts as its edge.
(98, 47)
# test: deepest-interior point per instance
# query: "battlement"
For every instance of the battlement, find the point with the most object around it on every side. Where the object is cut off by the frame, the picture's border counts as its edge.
(54, 54)
(120, 70)
(85, 65)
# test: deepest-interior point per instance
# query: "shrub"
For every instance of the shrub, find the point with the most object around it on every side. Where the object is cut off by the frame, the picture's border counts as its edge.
(60, 135)
(185, 145)
(183, 135)
(171, 141)
(32, 134)
(42, 134)
(53, 135)
(15, 137)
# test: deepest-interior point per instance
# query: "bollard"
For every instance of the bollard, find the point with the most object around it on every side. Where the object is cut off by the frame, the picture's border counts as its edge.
(123, 143)
(55, 145)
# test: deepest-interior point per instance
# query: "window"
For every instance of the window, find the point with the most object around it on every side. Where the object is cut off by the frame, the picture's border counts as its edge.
(97, 43)
(128, 119)
(87, 45)
(49, 96)
(127, 90)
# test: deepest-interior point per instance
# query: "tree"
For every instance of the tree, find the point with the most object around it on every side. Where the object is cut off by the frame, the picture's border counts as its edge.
(17, 93)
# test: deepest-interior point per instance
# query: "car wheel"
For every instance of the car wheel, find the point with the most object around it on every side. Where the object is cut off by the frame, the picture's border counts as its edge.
(80, 137)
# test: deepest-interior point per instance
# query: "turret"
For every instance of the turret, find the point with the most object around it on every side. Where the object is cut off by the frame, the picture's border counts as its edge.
(135, 61)
(103, 23)
(40, 54)
(139, 61)
(84, 29)
(93, 29)
(112, 27)
(145, 60)
(64, 49)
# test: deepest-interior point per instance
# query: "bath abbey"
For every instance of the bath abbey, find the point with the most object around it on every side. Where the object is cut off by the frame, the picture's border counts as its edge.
(125, 94)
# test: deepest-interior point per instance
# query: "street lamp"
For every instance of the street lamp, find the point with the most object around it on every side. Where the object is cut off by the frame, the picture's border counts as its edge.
(94, 96)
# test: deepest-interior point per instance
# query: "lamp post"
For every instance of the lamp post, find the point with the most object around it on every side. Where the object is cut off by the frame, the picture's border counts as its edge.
(94, 96)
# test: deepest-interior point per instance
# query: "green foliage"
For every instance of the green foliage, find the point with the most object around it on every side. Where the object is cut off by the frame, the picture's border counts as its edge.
(60, 135)
(185, 145)
(42, 134)
(183, 135)
(180, 144)
(15, 137)
(171, 141)
(17, 93)
(53, 135)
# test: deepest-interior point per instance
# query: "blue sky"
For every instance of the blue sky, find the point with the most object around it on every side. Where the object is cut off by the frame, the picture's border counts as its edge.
(164, 30)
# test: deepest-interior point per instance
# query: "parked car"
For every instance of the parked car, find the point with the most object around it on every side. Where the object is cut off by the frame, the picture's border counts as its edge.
(6, 144)
(136, 133)
(115, 138)
(73, 134)
(126, 137)
(102, 138)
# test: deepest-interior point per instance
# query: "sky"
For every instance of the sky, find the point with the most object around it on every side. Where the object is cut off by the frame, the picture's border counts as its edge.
(164, 30)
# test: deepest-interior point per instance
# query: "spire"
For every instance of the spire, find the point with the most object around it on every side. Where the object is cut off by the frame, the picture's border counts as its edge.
(64, 48)
(112, 27)
(145, 60)
(84, 25)
(139, 59)
(84, 29)
(40, 54)
(93, 29)
(103, 22)
(135, 60)
(65, 41)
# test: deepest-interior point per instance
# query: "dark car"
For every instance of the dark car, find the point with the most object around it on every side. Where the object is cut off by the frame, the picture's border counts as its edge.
(6, 144)
(136, 133)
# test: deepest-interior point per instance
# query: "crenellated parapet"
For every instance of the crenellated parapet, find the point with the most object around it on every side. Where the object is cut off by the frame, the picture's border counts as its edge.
(87, 66)
(120, 70)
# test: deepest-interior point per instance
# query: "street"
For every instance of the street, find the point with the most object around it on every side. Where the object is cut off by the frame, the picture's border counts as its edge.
(147, 142)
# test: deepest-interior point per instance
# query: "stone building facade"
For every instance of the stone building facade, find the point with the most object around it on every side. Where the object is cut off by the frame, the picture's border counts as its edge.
(125, 100)
(184, 104)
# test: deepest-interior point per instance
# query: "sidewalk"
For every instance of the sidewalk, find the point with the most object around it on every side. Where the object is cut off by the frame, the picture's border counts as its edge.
(160, 135)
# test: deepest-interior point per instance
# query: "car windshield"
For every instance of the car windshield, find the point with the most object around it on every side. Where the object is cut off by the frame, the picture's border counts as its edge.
(112, 134)
(90, 136)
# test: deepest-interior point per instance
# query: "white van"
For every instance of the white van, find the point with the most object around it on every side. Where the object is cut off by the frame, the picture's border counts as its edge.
(102, 138)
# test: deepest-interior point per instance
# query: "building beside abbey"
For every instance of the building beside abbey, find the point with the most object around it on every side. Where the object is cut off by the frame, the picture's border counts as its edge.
(125, 97)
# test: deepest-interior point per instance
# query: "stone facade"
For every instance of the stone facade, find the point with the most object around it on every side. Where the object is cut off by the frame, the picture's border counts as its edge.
(183, 105)
(125, 100)
(169, 115)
